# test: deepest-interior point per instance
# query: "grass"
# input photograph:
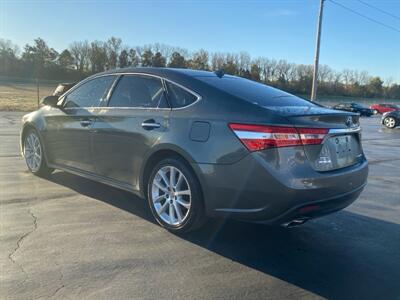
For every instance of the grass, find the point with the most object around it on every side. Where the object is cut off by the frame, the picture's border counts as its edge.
(22, 96)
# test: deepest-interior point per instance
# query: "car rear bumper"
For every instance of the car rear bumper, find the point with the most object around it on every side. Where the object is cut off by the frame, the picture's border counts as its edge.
(315, 209)
(272, 187)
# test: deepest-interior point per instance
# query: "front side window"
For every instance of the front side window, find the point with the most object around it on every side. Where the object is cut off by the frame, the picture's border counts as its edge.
(178, 97)
(138, 91)
(90, 93)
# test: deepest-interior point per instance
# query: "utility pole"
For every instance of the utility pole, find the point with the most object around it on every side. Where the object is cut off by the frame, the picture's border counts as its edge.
(316, 58)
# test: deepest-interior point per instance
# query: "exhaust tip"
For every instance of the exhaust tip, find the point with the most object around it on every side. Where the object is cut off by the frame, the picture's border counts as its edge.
(295, 223)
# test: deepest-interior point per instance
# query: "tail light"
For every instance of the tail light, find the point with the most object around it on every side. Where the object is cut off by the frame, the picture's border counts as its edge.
(259, 137)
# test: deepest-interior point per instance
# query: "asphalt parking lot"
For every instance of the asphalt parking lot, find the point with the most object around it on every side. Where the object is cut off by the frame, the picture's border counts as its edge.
(68, 237)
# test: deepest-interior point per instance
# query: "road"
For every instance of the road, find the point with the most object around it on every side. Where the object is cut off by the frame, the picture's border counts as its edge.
(68, 237)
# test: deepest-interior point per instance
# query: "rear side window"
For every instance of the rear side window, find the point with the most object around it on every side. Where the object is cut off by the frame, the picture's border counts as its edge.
(254, 92)
(138, 91)
(179, 97)
(90, 93)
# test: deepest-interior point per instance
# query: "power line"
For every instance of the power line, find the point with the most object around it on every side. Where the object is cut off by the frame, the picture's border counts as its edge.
(379, 9)
(364, 16)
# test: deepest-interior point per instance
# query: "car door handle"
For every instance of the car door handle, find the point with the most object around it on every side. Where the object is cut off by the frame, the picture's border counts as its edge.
(150, 124)
(86, 123)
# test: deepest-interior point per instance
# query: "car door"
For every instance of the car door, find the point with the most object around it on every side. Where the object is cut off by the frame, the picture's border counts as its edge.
(134, 120)
(68, 130)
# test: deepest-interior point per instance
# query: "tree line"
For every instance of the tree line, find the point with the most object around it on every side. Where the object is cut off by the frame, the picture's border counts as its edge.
(83, 58)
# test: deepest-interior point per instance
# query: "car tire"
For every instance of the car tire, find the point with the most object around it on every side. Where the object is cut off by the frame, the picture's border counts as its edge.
(177, 203)
(389, 122)
(33, 151)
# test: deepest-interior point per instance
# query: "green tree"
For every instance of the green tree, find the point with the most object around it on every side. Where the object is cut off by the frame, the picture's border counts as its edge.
(158, 60)
(39, 56)
(255, 72)
(230, 67)
(98, 56)
(9, 62)
(123, 59)
(65, 59)
(199, 60)
(177, 61)
(147, 58)
(40, 53)
(375, 87)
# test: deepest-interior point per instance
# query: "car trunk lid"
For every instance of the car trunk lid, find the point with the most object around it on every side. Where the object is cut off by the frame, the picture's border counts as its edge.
(341, 146)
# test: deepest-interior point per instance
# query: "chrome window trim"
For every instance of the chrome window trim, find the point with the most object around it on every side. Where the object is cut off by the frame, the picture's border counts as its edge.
(118, 74)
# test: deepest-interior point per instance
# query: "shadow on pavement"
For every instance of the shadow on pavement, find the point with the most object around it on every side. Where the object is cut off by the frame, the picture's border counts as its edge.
(342, 256)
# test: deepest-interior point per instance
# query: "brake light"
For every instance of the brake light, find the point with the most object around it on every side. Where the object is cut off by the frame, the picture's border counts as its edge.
(259, 137)
(312, 136)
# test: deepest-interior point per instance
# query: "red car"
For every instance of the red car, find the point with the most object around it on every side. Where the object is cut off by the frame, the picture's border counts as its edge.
(383, 107)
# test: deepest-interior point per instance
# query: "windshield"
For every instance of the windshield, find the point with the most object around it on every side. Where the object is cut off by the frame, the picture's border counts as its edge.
(255, 92)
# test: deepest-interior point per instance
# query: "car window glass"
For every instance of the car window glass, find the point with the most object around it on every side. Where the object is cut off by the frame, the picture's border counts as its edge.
(138, 91)
(254, 92)
(178, 97)
(90, 93)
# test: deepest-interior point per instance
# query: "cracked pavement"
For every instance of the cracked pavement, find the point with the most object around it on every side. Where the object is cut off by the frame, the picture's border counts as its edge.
(66, 237)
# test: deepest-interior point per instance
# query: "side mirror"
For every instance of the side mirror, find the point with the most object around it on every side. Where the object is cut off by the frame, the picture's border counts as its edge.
(50, 100)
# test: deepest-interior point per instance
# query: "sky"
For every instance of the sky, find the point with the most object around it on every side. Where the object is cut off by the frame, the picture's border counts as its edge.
(280, 29)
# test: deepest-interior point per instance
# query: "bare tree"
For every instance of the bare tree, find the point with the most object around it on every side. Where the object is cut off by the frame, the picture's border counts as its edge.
(217, 61)
(80, 51)
(282, 69)
(244, 62)
(113, 51)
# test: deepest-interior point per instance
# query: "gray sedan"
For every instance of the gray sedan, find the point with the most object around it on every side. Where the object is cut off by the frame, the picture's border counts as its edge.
(199, 144)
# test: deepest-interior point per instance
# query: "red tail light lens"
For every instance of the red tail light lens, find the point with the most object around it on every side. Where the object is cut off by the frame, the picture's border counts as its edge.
(312, 136)
(259, 137)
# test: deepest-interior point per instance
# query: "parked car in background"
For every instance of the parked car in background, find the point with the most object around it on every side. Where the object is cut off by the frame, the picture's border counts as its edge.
(391, 119)
(199, 144)
(354, 107)
(382, 108)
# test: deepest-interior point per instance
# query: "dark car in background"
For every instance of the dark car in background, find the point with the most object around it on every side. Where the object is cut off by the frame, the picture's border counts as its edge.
(199, 144)
(391, 119)
(383, 108)
(354, 107)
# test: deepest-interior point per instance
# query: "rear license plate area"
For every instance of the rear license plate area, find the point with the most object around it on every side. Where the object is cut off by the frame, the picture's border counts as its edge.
(343, 148)
(338, 152)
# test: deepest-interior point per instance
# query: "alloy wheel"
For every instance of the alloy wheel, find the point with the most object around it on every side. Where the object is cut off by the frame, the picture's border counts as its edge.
(33, 152)
(171, 195)
(390, 122)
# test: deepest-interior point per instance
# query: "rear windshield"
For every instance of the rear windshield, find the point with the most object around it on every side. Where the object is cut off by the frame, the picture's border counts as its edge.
(254, 92)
